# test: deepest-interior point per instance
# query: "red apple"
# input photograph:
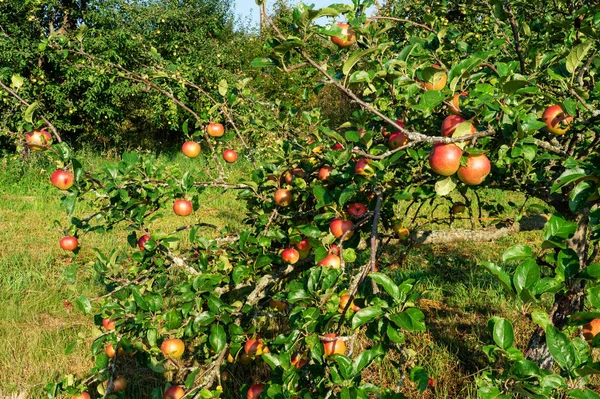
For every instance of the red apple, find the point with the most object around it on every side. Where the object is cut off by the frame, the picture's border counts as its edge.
(357, 210)
(69, 243)
(363, 168)
(334, 249)
(109, 324)
(338, 227)
(476, 170)
(591, 329)
(83, 395)
(255, 390)
(174, 392)
(556, 121)
(283, 197)
(324, 173)
(344, 301)
(335, 347)
(110, 351)
(119, 384)
(458, 208)
(215, 129)
(254, 347)
(142, 241)
(303, 245)
(337, 147)
(298, 360)
(444, 159)
(190, 149)
(182, 207)
(172, 348)
(434, 81)
(348, 37)
(290, 255)
(38, 140)
(450, 123)
(397, 139)
(230, 156)
(331, 260)
(62, 179)
(454, 106)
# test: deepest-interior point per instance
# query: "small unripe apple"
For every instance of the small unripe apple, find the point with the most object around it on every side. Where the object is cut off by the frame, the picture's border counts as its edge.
(62, 179)
(324, 173)
(109, 324)
(142, 241)
(190, 149)
(172, 348)
(230, 156)
(357, 210)
(556, 121)
(290, 255)
(348, 37)
(215, 129)
(338, 227)
(255, 390)
(182, 207)
(283, 197)
(38, 140)
(331, 260)
(69, 243)
(334, 347)
(591, 329)
(444, 159)
(174, 392)
(476, 169)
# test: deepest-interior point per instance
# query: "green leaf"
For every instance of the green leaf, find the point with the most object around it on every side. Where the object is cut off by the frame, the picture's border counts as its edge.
(419, 375)
(365, 315)
(591, 272)
(139, 299)
(262, 62)
(410, 320)
(526, 275)
(517, 252)
(387, 283)
(503, 334)
(355, 57)
(16, 81)
(28, 115)
(365, 358)
(347, 193)
(445, 186)
(567, 177)
(500, 274)
(577, 55)
(223, 86)
(173, 319)
(558, 227)
(583, 394)
(83, 304)
(217, 338)
(561, 348)
(345, 365)
(395, 335)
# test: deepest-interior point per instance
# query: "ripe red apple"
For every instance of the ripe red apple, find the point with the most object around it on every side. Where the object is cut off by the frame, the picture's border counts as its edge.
(349, 38)
(215, 129)
(172, 348)
(283, 197)
(458, 208)
(290, 255)
(397, 139)
(344, 301)
(298, 360)
(110, 351)
(230, 156)
(591, 329)
(142, 241)
(38, 140)
(338, 227)
(363, 168)
(337, 147)
(254, 347)
(334, 249)
(83, 395)
(190, 149)
(324, 173)
(444, 159)
(119, 384)
(182, 207)
(174, 392)
(357, 210)
(434, 83)
(556, 121)
(255, 390)
(476, 170)
(454, 106)
(109, 324)
(450, 123)
(303, 245)
(69, 243)
(62, 179)
(331, 260)
(335, 347)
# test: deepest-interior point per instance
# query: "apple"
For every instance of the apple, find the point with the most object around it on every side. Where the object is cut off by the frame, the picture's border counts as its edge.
(556, 121)
(215, 129)
(591, 329)
(335, 347)
(69, 243)
(435, 80)
(334, 249)
(303, 245)
(444, 159)
(344, 301)
(83, 395)
(110, 351)
(397, 139)
(337, 147)
(254, 347)
(109, 324)
(182, 207)
(62, 179)
(331, 260)
(454, 106)
(289, 175)
(174, 392)
(255, 390)
(349, 38)
(324, 173)
(142, 241)
(338, 227)
(277, 305)
(357, 210)
(458, 208)
(190, 149)
(38, 140)
(290, 255)
(363, 168)
(172, 348)
(298, 360)
(450, 123)
(402, 232)
(230, 156)
(476, 170)
(361, 131)
(119, 384)
(283, 197)
(245, 359)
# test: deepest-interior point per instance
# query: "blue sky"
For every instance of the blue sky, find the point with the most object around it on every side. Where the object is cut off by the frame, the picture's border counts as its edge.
(249, 7)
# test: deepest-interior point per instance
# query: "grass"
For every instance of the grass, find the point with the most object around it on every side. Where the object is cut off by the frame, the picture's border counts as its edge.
(37, 320)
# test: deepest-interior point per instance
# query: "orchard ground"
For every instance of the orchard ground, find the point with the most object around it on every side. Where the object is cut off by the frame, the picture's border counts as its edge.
(39, 283)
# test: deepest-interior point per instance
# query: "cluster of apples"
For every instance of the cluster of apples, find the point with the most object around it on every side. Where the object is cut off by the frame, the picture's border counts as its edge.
(191, 149)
